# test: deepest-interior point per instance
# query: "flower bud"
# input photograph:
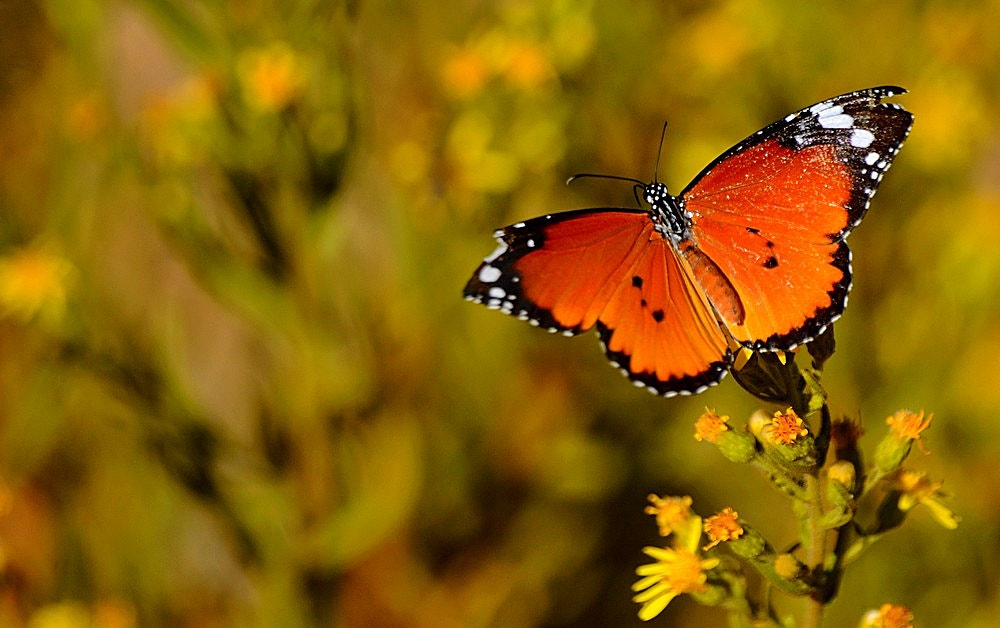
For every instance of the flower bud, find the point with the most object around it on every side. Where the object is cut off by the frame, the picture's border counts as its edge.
(738, 446)
(842, 473)
(788, 567)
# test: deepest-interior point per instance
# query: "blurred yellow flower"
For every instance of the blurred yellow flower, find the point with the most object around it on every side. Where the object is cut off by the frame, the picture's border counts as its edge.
(670, 512)
(409, 162)
(34, 282)
(61, 615)
(109, 613)
(271, 77)
(906, 425)
(888, 616)
(177, 123)
(528, 66)
(465, 72)
(86, 117)
(114, 613)
(915, 488)
(675, 571)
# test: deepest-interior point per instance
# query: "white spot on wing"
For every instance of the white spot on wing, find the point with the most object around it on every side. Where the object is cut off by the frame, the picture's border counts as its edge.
(489, 274)
(497, 292)
(820, 107)
(842, 121)
(871, 158)
(862, 138)
(500, 250)
(830, 110)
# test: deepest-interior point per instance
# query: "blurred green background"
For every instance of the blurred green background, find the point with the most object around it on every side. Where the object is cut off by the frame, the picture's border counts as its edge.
(239, 385)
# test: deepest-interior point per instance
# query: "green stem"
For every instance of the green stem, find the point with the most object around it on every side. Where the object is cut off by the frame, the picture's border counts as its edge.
(815, 550)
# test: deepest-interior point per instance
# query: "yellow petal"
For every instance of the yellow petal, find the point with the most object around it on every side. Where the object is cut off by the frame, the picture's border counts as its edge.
(654, 607)
(648, 594)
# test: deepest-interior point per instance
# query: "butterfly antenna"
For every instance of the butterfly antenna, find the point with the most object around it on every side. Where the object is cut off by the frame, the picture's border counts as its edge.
(659, 151)
(591, 175)
(636, 189)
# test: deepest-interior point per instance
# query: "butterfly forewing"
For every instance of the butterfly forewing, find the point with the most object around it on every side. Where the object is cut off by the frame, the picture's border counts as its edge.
(559, 271)
(773, 211)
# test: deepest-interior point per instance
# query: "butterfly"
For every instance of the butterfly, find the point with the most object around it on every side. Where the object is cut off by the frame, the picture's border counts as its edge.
(751, 254)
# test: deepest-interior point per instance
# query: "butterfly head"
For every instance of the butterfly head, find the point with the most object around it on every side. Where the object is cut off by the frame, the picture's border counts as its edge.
(668, 212)
(656, 194)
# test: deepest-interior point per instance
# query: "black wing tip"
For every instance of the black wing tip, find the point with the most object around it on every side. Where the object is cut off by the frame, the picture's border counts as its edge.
(887, 91)
(504, 294)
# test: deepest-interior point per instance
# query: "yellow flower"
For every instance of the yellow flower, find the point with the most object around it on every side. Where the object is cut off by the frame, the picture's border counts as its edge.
(528, 66)
(710, 426)
(272, 77)
(676, 571)
(888, 616)
(34, 282)
(907, 426)
(465, 72)
(723, 526)
(915, 488)
(785, 428)
(670, 512)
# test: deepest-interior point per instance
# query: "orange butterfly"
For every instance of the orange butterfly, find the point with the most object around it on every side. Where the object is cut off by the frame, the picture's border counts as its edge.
(751, 253)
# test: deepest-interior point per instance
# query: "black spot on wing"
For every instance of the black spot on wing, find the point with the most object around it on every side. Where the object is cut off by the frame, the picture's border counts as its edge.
(866, 131)
(822, 317)
(771, 262)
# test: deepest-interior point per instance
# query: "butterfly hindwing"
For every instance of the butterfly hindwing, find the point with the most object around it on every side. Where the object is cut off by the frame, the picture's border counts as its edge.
(773, 211)
(660, 329)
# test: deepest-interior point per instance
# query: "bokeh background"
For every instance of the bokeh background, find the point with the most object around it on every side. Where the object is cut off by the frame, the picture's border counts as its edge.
(239, 385)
